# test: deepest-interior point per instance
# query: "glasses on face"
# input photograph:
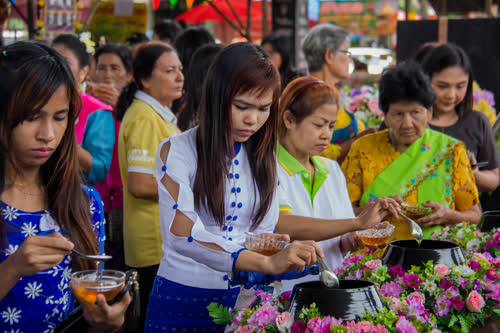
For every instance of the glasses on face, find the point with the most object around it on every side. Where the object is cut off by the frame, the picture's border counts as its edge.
(346, 52)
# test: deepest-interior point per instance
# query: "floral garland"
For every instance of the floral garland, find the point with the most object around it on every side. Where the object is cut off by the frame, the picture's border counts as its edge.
(363, 102)
(431, 298)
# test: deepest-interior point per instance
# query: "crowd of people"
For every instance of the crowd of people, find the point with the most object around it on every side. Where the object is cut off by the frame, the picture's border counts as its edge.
(165, 153)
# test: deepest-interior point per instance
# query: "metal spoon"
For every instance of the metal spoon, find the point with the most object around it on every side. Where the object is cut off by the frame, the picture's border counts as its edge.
(101, 257)
(415, 229)
(326, 276)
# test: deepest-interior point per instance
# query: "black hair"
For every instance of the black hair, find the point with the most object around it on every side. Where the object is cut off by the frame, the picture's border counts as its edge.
(77, 47)
(405, 82)
(143, 65)
(167, 29)
(136, 38)
(283, 44)
(237, 69)
(446, 56)
(188, 42)
(198, 68)
(120, 50)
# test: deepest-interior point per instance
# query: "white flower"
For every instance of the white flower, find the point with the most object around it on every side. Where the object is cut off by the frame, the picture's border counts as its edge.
(49, 300)
(66, 274)
(11, 249)
(9, 213)
(429, 286)
(33, 290)
(29, 230)
(92, 208)
(12, 331)
(460, 234)
(473, 244)
(463, 270)
(11, 315)
(50, 329)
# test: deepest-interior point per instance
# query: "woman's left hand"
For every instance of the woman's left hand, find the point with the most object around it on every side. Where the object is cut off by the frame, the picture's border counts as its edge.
(103, 317)
(350, 242)
(438, 216)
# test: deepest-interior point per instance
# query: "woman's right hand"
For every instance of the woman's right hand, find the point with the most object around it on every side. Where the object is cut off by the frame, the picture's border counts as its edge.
(380, 210)
(38, 253)
(297, 255)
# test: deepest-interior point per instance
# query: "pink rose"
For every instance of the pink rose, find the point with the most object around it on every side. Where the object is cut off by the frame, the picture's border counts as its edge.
(474, 302)
(478, 234)
(417, 296)
(372, 264)
(394, 303)
(436, 331)
(441, 270)
(479, 256)
(284, 321)
(314, 325)
(243, 329)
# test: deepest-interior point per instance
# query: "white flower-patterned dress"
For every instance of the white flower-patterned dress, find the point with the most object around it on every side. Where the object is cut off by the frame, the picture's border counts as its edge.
(38, 303)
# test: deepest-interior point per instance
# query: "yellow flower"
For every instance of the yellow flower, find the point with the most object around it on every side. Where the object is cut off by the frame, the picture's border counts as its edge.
(78, 25)
(41, 3)
(79, 5)
(486, 109)
(40, 23)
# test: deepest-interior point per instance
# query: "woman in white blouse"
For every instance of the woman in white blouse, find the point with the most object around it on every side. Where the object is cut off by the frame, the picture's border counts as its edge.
(311, 185)
(219, 180)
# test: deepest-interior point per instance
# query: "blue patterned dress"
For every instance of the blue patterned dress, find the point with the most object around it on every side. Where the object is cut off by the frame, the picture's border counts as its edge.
(38, 303)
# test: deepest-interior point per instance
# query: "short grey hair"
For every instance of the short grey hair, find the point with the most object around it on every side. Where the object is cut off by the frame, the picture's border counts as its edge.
(318, 40)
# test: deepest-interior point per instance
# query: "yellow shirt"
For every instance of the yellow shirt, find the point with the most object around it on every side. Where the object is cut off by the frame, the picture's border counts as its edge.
(371, 154)
(141, 132)
(343, 119)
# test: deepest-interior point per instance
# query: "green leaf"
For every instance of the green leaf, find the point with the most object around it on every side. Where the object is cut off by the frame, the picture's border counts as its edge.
(464, 325)
(219, 313)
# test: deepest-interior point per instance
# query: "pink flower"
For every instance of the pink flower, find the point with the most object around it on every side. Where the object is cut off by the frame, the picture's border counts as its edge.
(479, 256)
(403, 325)
(396, 271)
(298, 327)
(243, 329)
(491, 274)
(284, 321)
(412, 280)
(327, 322)
(494, 292)
(478, 234)
(441, 270)
(237, 320)
(496, 263)
(394, 303)
(417, 296)
(372, 264)
(474, 302)
(361, 327)
(314, 325)
(284, 297)
(436, 331)
(263, 316)
(265, 297)
(393, 289)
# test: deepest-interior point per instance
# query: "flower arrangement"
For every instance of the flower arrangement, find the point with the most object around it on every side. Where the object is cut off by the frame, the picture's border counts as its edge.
(363, 102)
(431, 298)
(484, 101)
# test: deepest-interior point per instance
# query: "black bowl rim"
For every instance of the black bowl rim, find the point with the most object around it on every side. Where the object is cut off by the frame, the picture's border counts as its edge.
(369, 285)
(491, 213)
(455, 245)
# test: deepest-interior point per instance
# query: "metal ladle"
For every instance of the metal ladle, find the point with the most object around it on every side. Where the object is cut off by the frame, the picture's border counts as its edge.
(415, 229)
(92, 257)
(326, 276)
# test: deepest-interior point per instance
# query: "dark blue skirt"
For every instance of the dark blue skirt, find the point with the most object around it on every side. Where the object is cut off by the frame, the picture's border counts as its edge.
(174, 307)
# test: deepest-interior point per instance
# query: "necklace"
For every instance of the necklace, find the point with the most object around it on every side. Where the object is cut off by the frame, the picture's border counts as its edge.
(19, 188)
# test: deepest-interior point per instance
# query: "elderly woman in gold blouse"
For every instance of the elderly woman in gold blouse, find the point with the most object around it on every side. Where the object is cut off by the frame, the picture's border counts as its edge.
(423, 167)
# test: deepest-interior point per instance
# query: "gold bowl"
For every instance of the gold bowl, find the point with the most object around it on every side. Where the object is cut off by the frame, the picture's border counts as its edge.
(376, 236)
(264, 244)
(87, 285)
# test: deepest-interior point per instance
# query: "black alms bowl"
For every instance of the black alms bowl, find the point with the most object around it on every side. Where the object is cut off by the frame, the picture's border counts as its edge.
(489, 220)
(407, 253)
(348, 302)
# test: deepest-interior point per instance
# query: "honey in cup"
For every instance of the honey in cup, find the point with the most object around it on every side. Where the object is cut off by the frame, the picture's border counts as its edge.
(376, 236)
(263, 245)
(87, 285)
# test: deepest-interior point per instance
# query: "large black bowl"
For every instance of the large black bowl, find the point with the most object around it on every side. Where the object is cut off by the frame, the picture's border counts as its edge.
(489, 220)
(407, 253)
(348, 302)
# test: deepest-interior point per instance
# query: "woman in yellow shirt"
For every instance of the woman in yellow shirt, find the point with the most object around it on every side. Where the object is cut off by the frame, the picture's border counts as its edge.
(143, 109)
(408, 160)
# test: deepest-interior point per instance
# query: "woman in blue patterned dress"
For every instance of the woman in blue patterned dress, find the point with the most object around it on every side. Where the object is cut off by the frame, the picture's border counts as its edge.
(41, 192)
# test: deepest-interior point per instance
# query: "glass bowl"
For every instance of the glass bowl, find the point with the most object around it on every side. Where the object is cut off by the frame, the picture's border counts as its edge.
(376, 236)
(87, 285)
(264, 244)
(413, 211)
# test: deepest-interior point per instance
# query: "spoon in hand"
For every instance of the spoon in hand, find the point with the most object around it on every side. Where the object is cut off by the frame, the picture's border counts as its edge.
(326, 276)
(415, 229)
(92, 257)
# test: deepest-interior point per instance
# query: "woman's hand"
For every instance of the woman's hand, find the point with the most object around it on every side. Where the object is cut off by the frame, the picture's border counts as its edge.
(440, 215)
(350, 242)
(380, 210)
(103, 317)
(107, 94)
(38, 253)
(297, 255)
